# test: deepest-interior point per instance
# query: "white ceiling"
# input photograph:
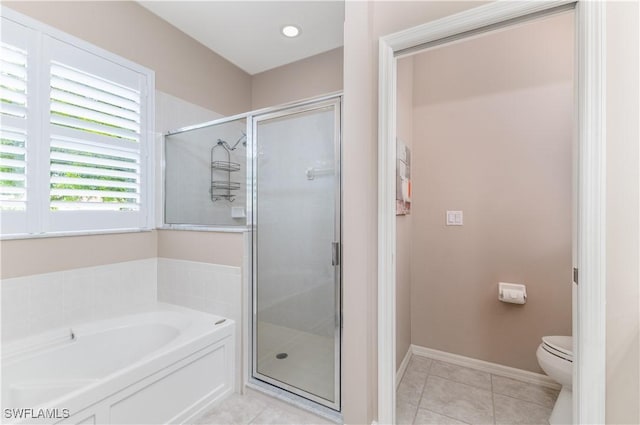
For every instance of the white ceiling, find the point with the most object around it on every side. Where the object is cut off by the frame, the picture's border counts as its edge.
(247, 33)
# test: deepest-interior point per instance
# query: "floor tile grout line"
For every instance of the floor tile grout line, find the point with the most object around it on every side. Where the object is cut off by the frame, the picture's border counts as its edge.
(454, 382)
(526, 401)
(491, 390)
(493, 399)
(462, 367)
(424, 385)
(446, 416)
(256, 416)
(491, 375)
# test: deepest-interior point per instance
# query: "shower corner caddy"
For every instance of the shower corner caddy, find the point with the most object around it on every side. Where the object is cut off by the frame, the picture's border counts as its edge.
(223, 189)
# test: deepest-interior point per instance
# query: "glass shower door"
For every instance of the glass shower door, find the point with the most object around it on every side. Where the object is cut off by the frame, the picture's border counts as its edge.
(296, 229)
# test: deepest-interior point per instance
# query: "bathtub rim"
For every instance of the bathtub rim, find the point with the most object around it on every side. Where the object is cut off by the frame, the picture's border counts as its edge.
(169, 355)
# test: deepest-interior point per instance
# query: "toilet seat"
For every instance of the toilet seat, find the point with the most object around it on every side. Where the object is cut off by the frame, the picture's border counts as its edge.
(559, 346)
(555, 357)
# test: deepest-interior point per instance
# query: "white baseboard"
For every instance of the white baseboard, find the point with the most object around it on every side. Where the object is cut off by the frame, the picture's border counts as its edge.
(403, 366)
(493, 368)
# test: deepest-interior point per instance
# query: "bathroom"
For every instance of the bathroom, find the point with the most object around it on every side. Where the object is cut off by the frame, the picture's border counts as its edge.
(491, 169)
(202, 255)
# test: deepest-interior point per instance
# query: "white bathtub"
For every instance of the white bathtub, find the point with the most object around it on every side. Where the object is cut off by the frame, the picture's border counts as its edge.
(162, 366)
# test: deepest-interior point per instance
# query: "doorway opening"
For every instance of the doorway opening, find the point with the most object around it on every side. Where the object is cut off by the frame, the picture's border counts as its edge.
(484, 241)
(588, 252)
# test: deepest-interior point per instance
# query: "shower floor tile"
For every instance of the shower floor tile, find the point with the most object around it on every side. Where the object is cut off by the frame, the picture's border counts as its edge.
(309, 361)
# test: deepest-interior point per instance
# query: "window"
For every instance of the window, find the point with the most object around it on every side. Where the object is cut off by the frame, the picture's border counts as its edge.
(76, 124)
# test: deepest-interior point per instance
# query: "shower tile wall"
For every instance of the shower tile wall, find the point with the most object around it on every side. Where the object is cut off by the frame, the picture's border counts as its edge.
(38, 303)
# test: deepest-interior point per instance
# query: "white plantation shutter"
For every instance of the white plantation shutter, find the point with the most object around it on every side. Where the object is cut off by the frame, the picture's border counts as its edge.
(13, 169)
(97, 164)
(13, 81)
(93, 177)
(14, 121)
(98, 168)
(90, 115)
(13, 134)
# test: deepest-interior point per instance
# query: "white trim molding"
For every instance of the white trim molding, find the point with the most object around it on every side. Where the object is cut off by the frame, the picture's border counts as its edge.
(488, 367)
(590, 348)
(403, 366)
(589, 374)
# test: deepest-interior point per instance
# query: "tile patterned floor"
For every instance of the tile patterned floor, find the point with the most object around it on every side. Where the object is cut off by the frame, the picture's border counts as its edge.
(435, 392)
(431, 392)
(256, 408)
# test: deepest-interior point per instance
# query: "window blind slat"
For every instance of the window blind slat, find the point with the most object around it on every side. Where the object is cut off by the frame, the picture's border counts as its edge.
(93, 206)
(92, 127)
(13, 163)
(93, 81)
(106, 183)
(94, 194)
(131, 153)
(82, 159)
(11, 190)
(12, 177)
(13, 83)
(13, 96)
(92, 171)
(18, 71)
(90, 93)
(8, 205)
(13, 55)
(16, 150)
(98, 117)
(13, 110)
(74, 99)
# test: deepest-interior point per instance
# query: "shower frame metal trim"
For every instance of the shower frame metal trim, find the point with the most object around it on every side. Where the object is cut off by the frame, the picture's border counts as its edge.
(334, 100)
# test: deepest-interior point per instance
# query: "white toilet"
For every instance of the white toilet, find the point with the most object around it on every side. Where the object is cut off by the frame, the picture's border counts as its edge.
(555, 357)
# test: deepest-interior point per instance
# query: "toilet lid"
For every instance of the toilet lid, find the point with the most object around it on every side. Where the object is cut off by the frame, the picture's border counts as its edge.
(561, 344)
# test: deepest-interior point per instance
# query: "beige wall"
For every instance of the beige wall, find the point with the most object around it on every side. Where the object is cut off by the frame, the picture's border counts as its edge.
(184, 67)
(623, 190)
(404, 111)
(205, 247)
(493, 138)
(44, 255)
(313, 76)
(359, 220)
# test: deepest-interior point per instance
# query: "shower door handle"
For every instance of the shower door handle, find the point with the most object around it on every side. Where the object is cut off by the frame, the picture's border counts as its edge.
(335, 253)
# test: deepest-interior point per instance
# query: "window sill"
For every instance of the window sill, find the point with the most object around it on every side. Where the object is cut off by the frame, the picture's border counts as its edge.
(19, 236)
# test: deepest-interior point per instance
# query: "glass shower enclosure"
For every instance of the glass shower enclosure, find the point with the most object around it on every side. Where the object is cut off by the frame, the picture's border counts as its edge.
(296, 250)
(277, 173)
(205, 175)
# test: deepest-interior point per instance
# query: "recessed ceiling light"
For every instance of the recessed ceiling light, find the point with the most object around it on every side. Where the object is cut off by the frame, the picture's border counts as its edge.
(290, 31)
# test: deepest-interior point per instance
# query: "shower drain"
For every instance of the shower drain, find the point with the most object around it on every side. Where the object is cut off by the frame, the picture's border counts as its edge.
(281, 356)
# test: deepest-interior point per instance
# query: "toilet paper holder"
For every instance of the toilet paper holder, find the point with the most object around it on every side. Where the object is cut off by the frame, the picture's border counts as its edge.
(513, 293)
